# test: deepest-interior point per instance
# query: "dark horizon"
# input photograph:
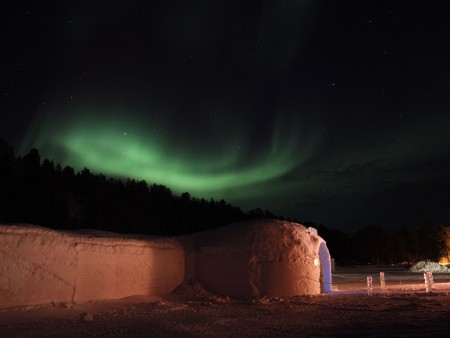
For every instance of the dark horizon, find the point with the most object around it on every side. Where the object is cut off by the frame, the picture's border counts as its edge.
(51, 169)
(332, 112)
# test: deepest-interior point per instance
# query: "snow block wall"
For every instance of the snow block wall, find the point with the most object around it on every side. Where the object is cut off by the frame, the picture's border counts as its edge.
(262, 258)
(40, 266)
(243, 260)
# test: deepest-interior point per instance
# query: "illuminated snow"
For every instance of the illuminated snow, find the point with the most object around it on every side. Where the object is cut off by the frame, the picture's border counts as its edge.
(243, 260)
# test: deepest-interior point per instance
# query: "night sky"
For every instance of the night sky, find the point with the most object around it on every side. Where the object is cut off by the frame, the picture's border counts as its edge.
(336, 112)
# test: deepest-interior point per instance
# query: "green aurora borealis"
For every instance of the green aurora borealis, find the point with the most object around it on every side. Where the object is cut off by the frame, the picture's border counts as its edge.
(335, 112)
(220, 159)
(216, 162)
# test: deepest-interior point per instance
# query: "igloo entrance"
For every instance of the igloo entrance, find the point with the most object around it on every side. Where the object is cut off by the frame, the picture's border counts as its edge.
(325, 263)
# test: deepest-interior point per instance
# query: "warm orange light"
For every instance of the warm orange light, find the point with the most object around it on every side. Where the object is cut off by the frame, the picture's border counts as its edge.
(445, 259)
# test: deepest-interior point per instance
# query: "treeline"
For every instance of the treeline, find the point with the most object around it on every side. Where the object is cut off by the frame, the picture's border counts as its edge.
(380, 245)
(43, 193)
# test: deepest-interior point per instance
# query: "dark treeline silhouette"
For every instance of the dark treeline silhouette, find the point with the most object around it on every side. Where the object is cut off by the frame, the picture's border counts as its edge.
(42, 193)
(379, 245)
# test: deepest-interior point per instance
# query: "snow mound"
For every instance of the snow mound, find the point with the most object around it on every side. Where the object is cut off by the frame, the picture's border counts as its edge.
(423, 266)
(259, 258)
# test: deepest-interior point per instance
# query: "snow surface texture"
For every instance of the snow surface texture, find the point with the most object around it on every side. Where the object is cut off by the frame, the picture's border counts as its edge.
(261, 258)
(423, 266)
(41, 266)
(244, 260)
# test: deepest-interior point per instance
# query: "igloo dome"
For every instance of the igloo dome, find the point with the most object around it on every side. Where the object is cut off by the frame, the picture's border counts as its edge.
(262, 258)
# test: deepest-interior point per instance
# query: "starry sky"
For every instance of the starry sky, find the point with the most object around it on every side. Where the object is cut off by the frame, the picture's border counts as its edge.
(336, 112)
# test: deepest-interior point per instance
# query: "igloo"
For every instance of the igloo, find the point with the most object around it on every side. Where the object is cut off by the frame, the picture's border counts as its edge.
(262, 258)
(243, 260)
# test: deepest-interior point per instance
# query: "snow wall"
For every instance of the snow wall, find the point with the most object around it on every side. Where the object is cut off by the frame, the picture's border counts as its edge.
(243, 260)
(41, 266)
(262, 258)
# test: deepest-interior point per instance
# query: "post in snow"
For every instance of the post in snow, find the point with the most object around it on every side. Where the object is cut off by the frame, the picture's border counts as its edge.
(428, 276)
(382, 281)
(369, 286)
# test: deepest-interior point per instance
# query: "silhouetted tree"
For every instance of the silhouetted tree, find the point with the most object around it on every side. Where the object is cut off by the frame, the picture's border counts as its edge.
(44, 193)
(373, 245)
(428, 235)
(8, 182)
(444, 243)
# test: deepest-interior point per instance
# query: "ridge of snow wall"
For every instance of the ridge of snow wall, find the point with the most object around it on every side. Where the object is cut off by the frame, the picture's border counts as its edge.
(41, 266)
(264, 258)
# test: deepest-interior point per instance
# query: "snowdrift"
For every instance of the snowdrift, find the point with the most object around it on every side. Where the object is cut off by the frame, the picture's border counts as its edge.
(41, 266)
(262, 258)
(424, 266)
(243, 260)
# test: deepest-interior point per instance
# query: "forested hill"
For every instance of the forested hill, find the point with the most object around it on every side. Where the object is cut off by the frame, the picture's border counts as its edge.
(40, 192)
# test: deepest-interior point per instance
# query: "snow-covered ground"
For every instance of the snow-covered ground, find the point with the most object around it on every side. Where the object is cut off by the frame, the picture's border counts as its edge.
(397, 279)
(424, 266)
(85, 267)
(402, 309)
